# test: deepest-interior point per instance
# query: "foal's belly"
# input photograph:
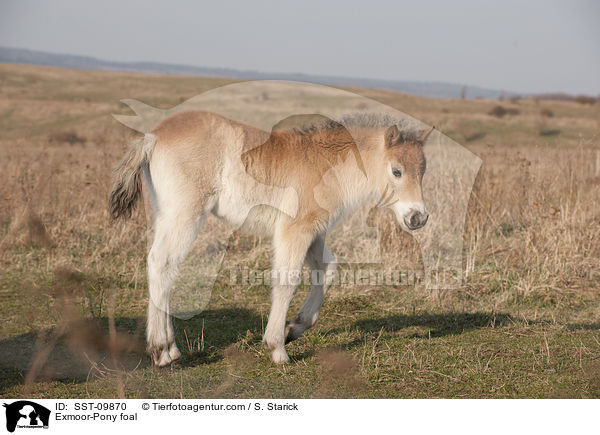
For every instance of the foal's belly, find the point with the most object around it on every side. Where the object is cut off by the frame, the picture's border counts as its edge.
(251, 206)
(256, 219)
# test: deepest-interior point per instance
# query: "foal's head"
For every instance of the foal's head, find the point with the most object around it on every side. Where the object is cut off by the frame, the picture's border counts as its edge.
(404, 168)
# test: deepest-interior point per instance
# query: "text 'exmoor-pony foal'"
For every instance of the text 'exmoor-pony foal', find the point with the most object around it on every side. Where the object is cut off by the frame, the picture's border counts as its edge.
(292, 184)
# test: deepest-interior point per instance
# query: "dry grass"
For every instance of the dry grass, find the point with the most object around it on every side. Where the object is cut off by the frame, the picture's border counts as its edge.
(501, 111)
(531, 250)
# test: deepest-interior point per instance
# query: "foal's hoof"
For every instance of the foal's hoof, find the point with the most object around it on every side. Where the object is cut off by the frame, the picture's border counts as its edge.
(277, 351)
(280, 356)
(294, 330)
(163, 358)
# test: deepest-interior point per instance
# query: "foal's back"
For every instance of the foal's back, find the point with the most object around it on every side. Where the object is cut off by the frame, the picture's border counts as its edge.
(205, 162)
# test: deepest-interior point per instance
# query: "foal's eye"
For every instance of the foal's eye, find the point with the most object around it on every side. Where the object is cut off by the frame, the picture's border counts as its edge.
(397, 173)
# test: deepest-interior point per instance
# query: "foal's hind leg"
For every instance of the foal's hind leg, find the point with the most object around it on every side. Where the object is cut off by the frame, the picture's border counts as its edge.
(174, 235)
(323, 268)
(290, 245)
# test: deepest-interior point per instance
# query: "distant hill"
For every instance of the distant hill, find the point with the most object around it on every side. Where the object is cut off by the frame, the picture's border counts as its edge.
(424, 89)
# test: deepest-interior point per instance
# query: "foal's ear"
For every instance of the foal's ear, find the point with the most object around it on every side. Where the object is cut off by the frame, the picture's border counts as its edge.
(392, 134)
(425, 134)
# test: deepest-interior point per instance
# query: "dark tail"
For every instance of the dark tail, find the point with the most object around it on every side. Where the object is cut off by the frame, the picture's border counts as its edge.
(128, 177)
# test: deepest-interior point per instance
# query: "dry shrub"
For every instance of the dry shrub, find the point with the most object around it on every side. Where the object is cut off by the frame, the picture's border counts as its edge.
(36, 229)
(542, 124)
(27, 180)
(69, 136)
(476, 135)
(500, 111)
(544, 130)
(547, 112)
(585, 99)
(549, 132)
(27, 228)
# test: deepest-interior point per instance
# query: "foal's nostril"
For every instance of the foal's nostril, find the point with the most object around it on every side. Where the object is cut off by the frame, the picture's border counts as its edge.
(416, 220)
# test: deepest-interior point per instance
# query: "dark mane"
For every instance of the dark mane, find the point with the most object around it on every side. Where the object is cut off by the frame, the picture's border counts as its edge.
(312, 124)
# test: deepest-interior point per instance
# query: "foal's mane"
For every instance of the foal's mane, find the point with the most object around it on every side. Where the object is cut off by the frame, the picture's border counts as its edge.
(364, 120)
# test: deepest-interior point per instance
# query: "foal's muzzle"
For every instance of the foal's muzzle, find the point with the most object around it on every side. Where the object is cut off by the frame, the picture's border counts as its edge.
(416, 220)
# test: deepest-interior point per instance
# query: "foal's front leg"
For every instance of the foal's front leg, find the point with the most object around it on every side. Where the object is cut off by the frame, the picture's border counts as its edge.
(322, 261)
(290, 245)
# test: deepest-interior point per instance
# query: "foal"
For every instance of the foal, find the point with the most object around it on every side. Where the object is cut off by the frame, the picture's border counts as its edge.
(292, 184)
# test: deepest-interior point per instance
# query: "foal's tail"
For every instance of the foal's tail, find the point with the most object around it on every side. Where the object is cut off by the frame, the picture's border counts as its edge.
(128, 177)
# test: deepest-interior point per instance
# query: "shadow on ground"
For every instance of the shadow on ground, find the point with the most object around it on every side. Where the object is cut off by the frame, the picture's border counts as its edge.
(439, 325)
(86, 349)
(79, 351)
(584, 326)
(433, 325)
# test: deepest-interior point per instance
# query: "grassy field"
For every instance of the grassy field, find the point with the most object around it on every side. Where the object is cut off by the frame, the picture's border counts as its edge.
(526, 322)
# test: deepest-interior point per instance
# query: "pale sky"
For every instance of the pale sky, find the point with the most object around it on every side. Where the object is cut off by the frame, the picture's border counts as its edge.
(522, 46)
